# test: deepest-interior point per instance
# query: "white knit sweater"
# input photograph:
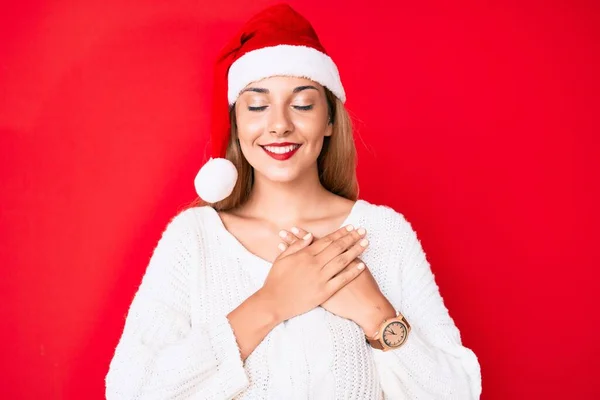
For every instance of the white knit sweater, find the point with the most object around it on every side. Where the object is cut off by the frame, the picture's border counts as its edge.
(177, 342)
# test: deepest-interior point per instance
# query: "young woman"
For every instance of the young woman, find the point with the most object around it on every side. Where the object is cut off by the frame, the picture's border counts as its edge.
(280, 283)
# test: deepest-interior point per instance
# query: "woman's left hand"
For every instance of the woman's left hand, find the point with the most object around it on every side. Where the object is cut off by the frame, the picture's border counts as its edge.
(360, 301)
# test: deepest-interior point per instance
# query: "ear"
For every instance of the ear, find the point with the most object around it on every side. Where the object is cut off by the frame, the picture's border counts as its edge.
(329, 129)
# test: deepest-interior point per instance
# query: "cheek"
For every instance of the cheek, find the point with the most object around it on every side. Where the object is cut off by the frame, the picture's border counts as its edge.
(312, 123)
(312, 130)
(249, 129)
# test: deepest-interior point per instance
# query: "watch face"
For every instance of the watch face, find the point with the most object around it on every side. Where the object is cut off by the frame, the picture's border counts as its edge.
(394, 334)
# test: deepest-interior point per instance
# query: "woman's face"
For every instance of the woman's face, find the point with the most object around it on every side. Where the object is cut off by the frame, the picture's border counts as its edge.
(279, 110)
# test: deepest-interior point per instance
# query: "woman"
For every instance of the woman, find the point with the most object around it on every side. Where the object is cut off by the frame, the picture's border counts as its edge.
(280, 283)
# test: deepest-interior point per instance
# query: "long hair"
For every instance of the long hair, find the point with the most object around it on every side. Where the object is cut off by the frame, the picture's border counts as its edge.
(336, 162)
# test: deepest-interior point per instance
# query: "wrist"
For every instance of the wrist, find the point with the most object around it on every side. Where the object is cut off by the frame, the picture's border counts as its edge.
(251, 322)
(268, 307)
(375, 317)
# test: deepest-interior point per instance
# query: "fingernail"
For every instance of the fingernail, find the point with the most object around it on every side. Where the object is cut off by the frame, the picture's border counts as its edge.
(349, 228)
(364, 242)
(307, 236)
(282, 234)
(295, 230)
(281, 246)
(360, 266)
(361, 231)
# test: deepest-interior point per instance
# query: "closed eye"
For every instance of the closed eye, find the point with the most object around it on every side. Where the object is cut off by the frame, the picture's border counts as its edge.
(262, 108)
(304, 108)
(256, 108)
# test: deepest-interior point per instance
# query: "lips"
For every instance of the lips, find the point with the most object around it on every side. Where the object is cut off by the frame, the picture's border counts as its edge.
(280, 144)
(280, 149)
(282, 154)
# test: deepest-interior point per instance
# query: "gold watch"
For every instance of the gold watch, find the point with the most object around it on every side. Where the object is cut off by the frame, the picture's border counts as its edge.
(392, 333)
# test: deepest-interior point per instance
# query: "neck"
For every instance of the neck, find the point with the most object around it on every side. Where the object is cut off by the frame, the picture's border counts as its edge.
(288, 202)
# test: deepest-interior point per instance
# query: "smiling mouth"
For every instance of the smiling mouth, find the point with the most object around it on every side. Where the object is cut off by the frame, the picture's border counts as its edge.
(281, 153)
(281, 150)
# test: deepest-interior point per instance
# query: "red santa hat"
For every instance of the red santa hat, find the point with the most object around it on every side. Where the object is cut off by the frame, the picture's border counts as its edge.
(275, 42)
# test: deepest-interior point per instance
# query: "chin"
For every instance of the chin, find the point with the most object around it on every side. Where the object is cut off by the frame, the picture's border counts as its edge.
(283, 175)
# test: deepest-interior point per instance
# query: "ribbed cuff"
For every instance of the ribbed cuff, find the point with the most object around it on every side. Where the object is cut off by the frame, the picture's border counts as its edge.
(446, 371)
(209, 352)
(230, 368)
(417, 360)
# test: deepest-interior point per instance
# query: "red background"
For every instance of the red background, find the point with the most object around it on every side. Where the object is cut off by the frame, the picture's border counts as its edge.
(477, 120)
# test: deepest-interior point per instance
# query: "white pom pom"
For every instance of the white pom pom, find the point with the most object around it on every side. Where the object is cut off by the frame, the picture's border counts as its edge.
(215, 180)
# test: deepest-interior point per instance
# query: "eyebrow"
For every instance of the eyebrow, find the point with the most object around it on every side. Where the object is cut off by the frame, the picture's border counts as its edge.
(263, 90)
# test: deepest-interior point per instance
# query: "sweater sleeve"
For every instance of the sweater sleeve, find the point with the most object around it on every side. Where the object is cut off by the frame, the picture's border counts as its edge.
(163, 355)
(433, 363)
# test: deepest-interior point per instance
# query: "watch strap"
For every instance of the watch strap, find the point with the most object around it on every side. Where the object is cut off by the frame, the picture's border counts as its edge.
(375, 343)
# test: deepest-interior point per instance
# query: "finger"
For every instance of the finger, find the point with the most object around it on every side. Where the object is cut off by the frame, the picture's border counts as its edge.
(325, 241)
(347, 275)
(298, 232)
(340, 246)
(292, 235)
(287, 237)
(296, 245)
(340, 262)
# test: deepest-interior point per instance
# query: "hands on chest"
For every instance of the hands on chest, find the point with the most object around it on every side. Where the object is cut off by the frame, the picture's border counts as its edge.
(326, 272)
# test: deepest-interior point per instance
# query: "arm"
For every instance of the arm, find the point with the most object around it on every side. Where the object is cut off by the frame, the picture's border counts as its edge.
(432, 363)
(161, 353)
(252, 321)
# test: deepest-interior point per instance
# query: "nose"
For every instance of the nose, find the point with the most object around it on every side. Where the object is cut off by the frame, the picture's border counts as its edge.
(279, 122)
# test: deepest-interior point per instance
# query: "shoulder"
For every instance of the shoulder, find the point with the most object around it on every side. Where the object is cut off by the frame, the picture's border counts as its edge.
(187, 221)
(391, 228)
(182, 238)
(382, 216)
(394, 239)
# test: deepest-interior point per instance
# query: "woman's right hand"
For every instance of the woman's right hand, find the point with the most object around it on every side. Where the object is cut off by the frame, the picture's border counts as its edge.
(310, 271)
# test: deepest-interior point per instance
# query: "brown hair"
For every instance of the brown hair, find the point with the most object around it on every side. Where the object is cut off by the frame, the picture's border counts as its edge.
(336, 163)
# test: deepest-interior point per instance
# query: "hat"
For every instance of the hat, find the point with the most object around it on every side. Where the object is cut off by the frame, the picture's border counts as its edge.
(276, 41)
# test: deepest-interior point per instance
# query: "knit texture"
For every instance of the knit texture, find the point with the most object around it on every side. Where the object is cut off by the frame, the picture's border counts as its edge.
(178, 344)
